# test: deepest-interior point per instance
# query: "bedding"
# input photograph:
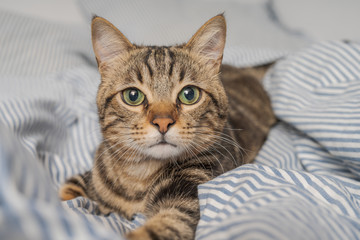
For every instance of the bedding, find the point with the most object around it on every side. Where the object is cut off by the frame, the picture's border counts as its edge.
(304, 183)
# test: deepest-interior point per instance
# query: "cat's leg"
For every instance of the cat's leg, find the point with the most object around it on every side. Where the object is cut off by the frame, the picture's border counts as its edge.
(80, 186)
(173, 208)
(75, 186)
(169, 223)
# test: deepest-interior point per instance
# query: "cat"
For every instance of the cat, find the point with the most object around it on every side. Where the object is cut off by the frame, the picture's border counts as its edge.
(172, 117)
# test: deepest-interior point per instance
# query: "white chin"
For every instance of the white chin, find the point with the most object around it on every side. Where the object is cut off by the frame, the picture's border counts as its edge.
(163, 151)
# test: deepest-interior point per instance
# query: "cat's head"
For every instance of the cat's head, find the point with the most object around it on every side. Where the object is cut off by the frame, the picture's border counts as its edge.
(160, 102)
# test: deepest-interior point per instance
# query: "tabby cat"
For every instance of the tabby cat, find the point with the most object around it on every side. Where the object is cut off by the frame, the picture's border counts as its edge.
(168, 126)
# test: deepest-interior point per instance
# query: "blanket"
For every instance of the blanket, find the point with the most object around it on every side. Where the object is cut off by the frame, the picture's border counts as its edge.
(303, 183)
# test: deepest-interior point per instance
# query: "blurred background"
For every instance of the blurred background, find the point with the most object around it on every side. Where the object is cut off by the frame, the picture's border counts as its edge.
(317, 19)
(258, 31)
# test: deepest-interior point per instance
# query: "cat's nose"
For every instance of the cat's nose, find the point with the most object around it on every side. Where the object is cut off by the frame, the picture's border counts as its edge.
(163, 123)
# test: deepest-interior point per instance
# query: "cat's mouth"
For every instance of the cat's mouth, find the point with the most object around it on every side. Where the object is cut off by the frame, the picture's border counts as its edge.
(163, 150)
(162, 143)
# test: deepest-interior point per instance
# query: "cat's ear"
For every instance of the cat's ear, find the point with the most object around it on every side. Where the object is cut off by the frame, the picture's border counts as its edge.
(209, 41)
(108, 42)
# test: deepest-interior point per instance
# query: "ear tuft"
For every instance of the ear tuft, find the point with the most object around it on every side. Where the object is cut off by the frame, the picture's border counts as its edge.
(209, 41)
(108, 42)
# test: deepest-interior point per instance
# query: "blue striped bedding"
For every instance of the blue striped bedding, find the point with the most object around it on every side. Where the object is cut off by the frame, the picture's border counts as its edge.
(304, 184)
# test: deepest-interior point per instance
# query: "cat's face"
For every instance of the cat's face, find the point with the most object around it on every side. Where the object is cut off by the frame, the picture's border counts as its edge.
(160, 102)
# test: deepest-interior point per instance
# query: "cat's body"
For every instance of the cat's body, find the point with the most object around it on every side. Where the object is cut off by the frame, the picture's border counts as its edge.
(169, 126)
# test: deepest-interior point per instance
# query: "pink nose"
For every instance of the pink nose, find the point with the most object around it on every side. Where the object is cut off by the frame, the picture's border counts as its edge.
(163, 123)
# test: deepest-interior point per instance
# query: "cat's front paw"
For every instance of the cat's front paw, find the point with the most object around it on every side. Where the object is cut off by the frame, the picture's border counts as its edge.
(140, 233)
(70, 191)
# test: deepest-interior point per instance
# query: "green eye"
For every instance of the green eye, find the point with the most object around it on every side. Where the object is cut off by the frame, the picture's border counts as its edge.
(133, 96)
(189, 95)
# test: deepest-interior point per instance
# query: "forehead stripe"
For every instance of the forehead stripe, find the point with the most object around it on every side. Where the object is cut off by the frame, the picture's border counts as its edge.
(160, 55)
(139, 76)
(172, 61)
(146, 61)
(182, 75)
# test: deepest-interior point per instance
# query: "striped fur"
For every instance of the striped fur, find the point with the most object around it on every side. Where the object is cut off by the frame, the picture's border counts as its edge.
(132, 171)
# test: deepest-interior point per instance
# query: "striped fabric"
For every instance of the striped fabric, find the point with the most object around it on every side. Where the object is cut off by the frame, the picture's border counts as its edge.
(41, 47)
(318, 92)
(29, 207)
(261, 202)
(303, 185)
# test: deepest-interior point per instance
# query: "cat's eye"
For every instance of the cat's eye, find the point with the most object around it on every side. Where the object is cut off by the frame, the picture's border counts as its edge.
(133, 96)
(189, 95)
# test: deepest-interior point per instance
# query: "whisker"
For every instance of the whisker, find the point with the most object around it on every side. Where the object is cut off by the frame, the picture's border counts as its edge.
(224, 137)
(209, 161)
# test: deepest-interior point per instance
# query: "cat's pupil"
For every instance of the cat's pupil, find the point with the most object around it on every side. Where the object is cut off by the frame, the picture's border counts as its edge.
(133, 95)
(189, 93)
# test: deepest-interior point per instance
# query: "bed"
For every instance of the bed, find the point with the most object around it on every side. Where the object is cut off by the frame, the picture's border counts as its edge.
(304, 183)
